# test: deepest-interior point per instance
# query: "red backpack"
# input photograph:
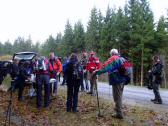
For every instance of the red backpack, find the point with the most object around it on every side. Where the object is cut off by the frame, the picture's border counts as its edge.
(126, 69)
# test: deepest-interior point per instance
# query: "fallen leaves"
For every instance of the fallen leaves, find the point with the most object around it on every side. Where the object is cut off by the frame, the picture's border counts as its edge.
(56, 114)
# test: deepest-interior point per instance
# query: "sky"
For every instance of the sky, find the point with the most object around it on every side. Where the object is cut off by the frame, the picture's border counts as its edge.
(41, 18)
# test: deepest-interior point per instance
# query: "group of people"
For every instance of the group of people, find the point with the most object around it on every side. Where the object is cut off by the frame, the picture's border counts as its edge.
(78, 70)
(76, 73)
(44, 69)
(117, 78)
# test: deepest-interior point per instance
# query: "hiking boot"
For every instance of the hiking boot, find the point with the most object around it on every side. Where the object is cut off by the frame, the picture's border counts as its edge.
(152, 100)
(75, 110)
(68, 110)
(46, 106)
(118, 116)
(158, 102)
(90, 92)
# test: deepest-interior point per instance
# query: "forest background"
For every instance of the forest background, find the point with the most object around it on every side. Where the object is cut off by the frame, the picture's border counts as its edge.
(131, 30)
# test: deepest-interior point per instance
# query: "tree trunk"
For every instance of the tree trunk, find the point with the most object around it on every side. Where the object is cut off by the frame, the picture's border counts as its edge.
(137, 76)
(132, 77)
(142, 65)
(164, 70)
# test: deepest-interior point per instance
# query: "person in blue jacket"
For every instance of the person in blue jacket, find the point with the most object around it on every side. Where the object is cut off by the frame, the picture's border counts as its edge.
(64, 66)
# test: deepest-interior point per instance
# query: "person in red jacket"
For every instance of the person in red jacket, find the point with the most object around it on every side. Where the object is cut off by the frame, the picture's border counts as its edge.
(55, 68)
(92, 65)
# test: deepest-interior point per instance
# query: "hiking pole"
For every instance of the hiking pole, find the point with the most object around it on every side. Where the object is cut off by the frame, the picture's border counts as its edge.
(99, 114)
(9, 110)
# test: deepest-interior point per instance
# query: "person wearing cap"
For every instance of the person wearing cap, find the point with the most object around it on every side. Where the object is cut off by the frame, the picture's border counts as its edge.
(92, 65)
(156, 72)
(117, 81)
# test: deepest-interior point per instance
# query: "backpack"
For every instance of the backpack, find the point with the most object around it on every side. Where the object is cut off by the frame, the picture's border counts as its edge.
(77, 70)
(41, 65)
(125, 69)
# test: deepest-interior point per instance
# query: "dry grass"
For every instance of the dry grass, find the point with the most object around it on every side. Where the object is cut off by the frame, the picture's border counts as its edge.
(56, 114)
(5, 57)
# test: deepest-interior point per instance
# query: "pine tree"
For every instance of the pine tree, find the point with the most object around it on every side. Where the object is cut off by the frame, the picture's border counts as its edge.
(93, 31)
(8, 48)
(122, 32)
(59, 50)
(1, 48)
(20, 45)
(141, 33)
(68, 39)
(108, 34)
(28, 44)
(161, 34)
(79, 37)
(36, 47)
(51, 44)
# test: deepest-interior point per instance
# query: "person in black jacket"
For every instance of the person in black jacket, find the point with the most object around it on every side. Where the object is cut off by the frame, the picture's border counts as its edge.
(14, 69)
(156, 72)
(74, 73)
(19, 81)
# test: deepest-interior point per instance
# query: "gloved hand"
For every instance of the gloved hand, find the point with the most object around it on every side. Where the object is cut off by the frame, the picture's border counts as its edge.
(54, 72)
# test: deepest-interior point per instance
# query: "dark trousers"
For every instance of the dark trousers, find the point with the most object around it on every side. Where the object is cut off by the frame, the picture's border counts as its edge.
(72, 95)
(59, 76)
(20, 85)
(117, 96)
(156, 91)
(64, 79)
(43, 80)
